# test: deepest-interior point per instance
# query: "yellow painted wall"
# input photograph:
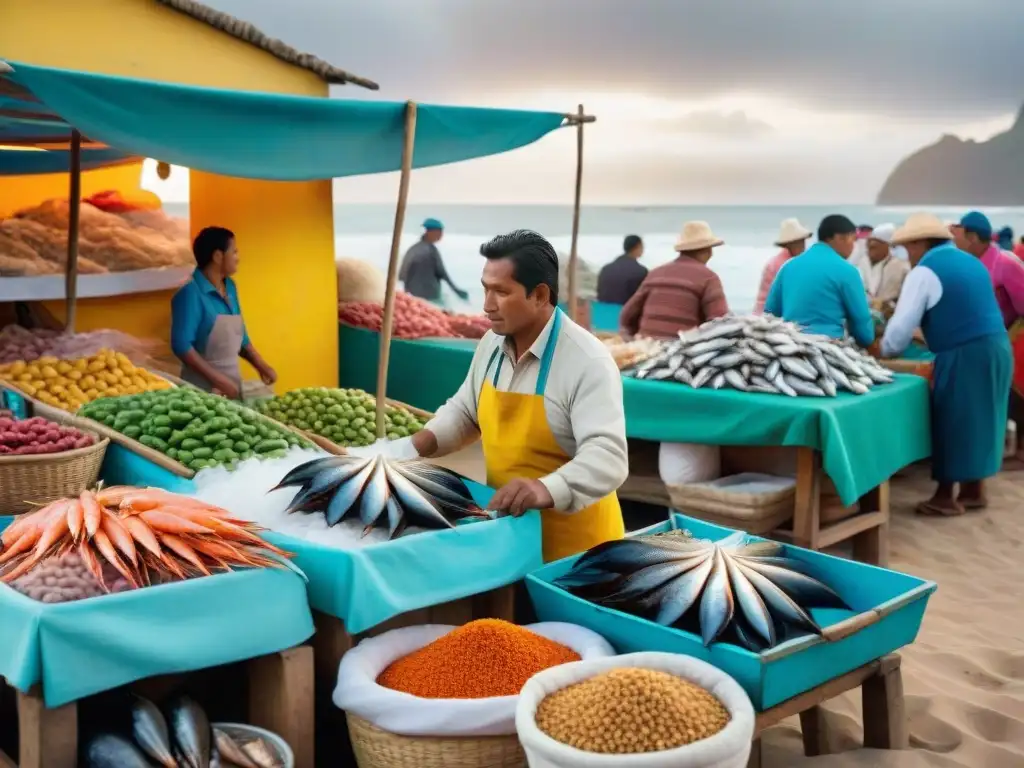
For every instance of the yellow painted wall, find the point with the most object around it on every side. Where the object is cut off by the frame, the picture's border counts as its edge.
(287, 283)
(285, 231)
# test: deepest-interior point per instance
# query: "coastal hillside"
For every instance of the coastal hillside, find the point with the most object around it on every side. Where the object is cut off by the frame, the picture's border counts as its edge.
(957, 172)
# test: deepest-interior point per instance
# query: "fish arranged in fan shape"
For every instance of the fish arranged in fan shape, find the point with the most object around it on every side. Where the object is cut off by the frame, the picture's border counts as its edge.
(763, 354)
(381, 492)
(746, 591)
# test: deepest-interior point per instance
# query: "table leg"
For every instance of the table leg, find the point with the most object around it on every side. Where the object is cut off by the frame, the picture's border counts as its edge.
(807, 509)
(814, 730)
(281, 699)
(754, 761)
(885, 719)
(48, 738)
(872, 545)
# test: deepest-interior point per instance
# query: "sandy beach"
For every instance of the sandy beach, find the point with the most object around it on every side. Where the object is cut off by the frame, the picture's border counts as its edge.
(964, 677)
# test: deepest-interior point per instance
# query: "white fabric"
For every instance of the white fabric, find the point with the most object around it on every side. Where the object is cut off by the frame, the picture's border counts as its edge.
(730, 748)
(357, 691)
(883, 233)
(682, 463)
(582, 402)
(401, 449)
(921, 291)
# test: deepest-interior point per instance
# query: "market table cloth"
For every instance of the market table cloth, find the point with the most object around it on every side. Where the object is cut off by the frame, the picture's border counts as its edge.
(864, 439)
(81, 648)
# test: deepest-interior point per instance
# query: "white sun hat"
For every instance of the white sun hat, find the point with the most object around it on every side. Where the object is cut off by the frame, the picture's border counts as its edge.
(921, 226)
(791, 231)
(883, 233)
(697, 236)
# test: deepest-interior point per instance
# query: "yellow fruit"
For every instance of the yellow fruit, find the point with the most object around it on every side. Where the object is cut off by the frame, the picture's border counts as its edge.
(88, 380)
(28, 389)
(25, 377)
(63, 367)
(92, 394)
(49, 372)
(38, 383)
(81, 364)
(17, 367)
(47, 360)
(75, 375)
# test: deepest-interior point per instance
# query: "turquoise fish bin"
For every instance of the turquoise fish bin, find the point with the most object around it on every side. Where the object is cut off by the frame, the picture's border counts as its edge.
(888, 608)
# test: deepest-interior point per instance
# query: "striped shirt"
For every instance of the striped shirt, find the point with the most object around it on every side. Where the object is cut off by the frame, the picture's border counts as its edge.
(675, 297)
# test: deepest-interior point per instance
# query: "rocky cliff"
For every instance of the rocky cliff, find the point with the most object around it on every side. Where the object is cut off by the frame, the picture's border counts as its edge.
(957, 172)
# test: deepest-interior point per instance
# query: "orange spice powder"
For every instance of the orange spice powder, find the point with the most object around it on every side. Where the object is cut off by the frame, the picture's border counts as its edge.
(478, 660)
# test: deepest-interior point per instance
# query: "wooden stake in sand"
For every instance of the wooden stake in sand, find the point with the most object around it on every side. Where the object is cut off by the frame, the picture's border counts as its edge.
(396, 240)
(74, 210)
(578, 119)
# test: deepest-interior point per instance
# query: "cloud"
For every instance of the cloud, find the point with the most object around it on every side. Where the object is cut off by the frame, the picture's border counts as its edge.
(944, 58)
(715, 124)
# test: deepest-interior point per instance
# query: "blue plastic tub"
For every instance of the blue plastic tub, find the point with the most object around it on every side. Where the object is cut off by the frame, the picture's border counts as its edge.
(888, 608)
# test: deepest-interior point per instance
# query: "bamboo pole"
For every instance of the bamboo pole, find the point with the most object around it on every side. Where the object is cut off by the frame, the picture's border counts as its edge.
(74, 210)
(396, 240)
(573, 256)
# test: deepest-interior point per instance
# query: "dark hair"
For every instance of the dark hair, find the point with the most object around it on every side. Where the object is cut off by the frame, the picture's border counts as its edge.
(835, 224)
(631, 242)
(208, 242)
(534, 261)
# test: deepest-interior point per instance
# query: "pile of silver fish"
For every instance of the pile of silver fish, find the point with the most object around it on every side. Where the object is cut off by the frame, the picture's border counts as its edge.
(383, 493)
(184, 739)
(736, 590)
(760, 353)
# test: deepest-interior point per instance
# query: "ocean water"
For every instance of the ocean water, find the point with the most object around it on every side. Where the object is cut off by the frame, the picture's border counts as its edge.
(364, 231)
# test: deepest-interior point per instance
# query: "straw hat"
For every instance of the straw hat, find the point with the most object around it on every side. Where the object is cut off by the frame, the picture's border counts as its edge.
(696, 236)
(791, 231)
(921, 226)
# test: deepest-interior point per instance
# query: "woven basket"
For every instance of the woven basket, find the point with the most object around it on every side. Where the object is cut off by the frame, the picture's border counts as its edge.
(375, 748)
(28, 481)
(752, 512)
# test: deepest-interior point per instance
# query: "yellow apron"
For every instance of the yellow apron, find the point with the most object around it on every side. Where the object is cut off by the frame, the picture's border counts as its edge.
(518, 442)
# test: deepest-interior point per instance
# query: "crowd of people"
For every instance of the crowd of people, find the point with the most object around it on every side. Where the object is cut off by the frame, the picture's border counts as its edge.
(959, 291)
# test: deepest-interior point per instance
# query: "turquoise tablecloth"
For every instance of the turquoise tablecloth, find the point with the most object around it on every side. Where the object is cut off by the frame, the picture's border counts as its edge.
(367, 586)
(864, 439)
(81, 648)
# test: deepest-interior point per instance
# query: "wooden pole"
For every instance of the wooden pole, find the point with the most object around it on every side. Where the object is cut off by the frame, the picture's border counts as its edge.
(74, 209)
(396, 240)
(573, 256)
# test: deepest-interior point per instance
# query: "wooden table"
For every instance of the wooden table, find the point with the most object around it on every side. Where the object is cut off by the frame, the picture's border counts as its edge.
(881, 687)
(280, 699)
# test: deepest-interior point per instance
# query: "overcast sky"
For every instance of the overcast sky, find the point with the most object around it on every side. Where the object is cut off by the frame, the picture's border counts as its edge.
(698, 101)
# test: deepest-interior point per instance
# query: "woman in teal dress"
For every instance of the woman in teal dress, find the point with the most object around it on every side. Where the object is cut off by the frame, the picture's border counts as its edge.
(948, 294)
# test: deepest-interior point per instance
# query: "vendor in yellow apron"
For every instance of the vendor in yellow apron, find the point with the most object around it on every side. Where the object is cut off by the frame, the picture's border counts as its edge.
(518, 443)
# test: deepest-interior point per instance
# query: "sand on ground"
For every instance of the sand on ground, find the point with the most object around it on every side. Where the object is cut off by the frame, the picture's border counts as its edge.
(964, 677)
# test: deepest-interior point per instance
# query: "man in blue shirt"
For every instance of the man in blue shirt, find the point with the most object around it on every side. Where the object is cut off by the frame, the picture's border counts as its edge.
(821, 291)
(207, 331)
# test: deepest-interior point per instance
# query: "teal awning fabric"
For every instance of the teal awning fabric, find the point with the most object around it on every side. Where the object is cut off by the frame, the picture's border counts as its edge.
(21, 163)
(258, 135)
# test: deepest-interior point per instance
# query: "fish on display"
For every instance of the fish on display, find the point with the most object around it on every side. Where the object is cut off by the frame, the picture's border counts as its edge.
(111, 751)
(149, 729)
(764, 355)
(739, 590)
(381, 492)
(190, 731)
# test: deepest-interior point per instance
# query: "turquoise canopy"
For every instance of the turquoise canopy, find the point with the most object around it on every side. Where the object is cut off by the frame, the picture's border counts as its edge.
(249, 134)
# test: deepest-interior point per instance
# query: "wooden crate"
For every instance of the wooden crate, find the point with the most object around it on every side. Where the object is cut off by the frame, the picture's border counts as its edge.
(332, 641)
(280, 699)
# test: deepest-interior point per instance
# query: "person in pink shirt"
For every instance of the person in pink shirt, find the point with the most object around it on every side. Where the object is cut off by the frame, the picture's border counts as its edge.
(974, 235)
(1018, 249)
(792, 240)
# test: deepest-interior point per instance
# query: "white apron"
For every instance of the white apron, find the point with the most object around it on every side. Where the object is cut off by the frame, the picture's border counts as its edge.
(222, 349)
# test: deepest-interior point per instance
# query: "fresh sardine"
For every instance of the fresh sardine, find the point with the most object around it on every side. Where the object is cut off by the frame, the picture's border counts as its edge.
(375, 496)
(345, 497)
(659, 374)
(751, 604)
(802, 588)
(149, 729)
(683, 376)
(734, 379)
(782, 385)
(704, 358)
(803, 387)
(798, 368)
(716, 606)
(703, 376)
(110, 751)
(773, 370)
(675, 599)
(778, 601)
(727, 360)
(191, 733)
(415, 503)
(719, 381)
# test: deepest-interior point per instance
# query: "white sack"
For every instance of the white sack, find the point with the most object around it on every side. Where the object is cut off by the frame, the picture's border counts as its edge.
(357, 691)
(682, 463)
(730, 748)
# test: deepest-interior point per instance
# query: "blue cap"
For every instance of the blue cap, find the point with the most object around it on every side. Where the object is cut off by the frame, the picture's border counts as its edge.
(429, 224)
(978, 223)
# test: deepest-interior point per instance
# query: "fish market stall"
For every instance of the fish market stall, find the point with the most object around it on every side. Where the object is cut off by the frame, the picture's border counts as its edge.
(793, 627)
(116, 586)
(760, 382)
